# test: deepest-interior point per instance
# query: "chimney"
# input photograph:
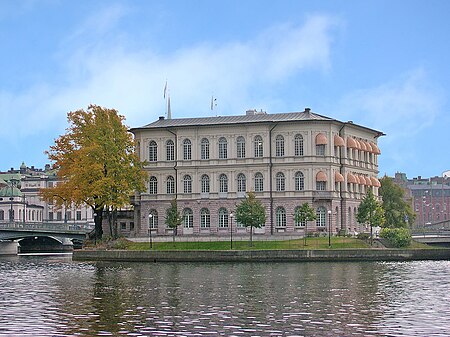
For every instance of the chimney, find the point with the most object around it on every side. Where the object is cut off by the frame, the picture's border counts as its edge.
(161, 118)
(307, 110)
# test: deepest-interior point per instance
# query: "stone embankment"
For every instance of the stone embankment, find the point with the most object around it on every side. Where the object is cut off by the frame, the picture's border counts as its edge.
(263, 255)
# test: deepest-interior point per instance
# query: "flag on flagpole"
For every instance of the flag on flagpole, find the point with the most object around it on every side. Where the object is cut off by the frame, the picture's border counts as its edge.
(213, 102)
(165, 90)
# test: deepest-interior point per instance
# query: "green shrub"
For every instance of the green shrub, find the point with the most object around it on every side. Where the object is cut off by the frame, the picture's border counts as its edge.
(363, 236)
(120, 243)
(397, 237)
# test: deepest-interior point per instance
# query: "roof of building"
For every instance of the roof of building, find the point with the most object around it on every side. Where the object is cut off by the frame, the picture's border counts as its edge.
(252, 116)
(10, 192)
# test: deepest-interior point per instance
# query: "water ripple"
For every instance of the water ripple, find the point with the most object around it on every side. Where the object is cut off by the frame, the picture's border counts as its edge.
(57, 297)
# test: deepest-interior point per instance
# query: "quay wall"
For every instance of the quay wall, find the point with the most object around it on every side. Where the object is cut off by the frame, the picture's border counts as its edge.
(263, 255)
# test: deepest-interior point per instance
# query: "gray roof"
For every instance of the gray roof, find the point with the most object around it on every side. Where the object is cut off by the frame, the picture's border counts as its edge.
(255, 117)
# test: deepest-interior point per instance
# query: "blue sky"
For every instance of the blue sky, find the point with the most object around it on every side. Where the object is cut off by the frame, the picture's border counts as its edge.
(381, 64)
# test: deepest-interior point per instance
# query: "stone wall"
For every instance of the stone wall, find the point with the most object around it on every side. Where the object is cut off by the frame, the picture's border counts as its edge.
(8, 248)
(264, 255)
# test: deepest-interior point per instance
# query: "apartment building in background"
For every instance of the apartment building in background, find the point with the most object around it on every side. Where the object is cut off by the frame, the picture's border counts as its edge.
(20, 200)
(429, 197)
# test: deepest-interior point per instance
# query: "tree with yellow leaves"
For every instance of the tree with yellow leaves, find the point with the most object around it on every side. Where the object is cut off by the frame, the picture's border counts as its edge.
(95, 163)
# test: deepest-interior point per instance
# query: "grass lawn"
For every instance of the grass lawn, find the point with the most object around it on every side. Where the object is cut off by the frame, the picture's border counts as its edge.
(311, 243)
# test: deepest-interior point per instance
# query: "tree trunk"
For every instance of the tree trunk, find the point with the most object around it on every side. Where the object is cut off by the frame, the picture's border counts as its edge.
(251, 236)
(98, 219)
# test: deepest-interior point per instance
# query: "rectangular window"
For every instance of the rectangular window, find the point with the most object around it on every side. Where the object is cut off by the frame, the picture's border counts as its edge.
(320, 150)
(50, 216)
(205, 220)
(321, 185)
(123, 226)
(78, 215)
(131, 226)
(223, 153)
(59, 216)
(204, 150)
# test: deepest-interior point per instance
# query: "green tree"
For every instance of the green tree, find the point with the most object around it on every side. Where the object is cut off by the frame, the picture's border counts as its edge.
(251, 213)
(370, 211)
(303, 214)
(96, 164)
(397, 210)
(173, 217)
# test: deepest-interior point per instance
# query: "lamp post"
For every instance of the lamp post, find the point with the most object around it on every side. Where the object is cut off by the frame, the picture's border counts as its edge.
(150, 218)
(231, 230)
(329, 228)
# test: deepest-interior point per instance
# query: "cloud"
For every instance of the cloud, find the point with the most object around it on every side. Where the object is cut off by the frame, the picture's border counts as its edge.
(98, 68)
(410, 101)
(405, 108)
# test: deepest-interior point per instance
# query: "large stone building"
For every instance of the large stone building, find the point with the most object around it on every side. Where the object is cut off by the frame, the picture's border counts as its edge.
(430, 197)
(20, 200)
(208, 164)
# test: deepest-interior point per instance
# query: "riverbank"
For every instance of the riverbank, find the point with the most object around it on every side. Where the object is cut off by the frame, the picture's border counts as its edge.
(263, 255)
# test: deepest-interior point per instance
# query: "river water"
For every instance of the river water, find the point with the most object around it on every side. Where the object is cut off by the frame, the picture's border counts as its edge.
(54, 296)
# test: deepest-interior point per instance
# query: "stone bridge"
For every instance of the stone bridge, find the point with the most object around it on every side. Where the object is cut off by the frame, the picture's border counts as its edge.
(44, 234)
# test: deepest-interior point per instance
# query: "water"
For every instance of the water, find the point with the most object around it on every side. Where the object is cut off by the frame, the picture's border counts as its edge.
(53, 296)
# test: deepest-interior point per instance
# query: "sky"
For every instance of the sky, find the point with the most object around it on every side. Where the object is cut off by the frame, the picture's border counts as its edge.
(381, 64)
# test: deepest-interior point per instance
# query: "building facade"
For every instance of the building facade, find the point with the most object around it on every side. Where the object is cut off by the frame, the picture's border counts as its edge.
(209, 164)
(20, 200)
(430, 197)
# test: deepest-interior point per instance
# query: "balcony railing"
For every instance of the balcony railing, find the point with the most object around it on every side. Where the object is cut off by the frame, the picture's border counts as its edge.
(322, 195)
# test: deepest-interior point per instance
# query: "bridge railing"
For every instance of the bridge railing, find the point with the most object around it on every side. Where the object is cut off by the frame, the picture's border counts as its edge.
(47, 226)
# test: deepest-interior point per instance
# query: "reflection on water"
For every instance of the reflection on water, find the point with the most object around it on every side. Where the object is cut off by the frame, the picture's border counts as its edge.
(53, 296)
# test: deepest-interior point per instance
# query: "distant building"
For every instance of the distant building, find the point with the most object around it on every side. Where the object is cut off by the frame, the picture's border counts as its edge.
(430, 197)
(209, 164)
(20, 200)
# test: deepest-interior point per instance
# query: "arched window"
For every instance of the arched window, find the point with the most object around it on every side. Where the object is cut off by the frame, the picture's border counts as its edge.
(223, 148)
(337, 218)
(205, 218)
(350, 218)
(241, 182)
(223, 217)
(298, 223)
(170, 185)
(281, 217)
(258, 146)
(321, 215)
(152, 151)
(187, 149)
(153, 185)
(205, 183)
(280, 180)
(279, 146)
(299, 181)
(153, 218)
(170, 150)
(204, 149)
(223, 183)
(298, 145)
(240, 147)
(188, 218)
(187, 184)
(259, 182)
